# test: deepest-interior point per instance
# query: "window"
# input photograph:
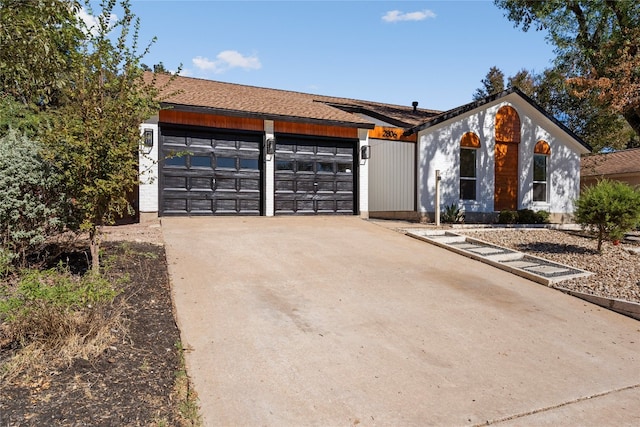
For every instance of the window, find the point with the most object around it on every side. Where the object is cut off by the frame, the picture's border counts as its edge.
(226, 162)
(540, 159)
(469, 145)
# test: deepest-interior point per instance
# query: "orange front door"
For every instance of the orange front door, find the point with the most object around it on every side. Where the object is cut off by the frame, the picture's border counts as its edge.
(506, 172)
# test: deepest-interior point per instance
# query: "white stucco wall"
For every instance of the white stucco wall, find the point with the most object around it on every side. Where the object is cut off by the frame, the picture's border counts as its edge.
(148, 169)
(439, 149)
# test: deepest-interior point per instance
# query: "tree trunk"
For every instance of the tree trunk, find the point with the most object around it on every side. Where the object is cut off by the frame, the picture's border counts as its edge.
(600, 238)
(94, 248)
(632, 116)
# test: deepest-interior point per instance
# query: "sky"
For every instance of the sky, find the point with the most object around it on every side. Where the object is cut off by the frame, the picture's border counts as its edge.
(433, 52)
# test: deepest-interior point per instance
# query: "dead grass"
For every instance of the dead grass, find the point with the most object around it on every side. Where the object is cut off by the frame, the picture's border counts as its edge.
(64, 338)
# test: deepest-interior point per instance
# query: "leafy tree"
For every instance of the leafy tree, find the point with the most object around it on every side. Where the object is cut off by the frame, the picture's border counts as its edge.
(94, 138)
(524, 80)
(492, 84)
(38, 40)
(598, 46)
(610, 208)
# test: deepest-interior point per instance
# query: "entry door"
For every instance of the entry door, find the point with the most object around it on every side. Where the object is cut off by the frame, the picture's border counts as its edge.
(506, 174)
(314, 177)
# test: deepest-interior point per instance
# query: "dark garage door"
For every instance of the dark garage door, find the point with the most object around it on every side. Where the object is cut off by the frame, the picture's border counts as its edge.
(210, 173)
(314, 176)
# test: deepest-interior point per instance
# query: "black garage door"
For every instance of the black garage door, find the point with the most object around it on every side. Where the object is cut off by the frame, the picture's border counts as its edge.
(314, 176)
(210, 173)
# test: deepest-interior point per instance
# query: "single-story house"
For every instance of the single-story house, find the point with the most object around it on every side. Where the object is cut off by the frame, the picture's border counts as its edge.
(621, 165)
(226, 149)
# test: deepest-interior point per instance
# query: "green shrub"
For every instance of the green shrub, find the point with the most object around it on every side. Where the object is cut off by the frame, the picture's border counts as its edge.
(508, 217)
(609, 208)
(452, 214)
(29, 204)
(542, 217)
(528, 216)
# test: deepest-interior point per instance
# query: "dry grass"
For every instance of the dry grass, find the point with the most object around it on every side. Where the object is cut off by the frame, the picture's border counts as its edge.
(52, 339)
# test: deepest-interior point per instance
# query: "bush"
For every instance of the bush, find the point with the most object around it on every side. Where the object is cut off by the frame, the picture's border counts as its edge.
(29, 205)
(452, 214)
(508, 217)
(609, 208)
(523, 216)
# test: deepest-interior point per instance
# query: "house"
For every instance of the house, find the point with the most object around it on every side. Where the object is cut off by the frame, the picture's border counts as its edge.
(225, 149)
(621, 165)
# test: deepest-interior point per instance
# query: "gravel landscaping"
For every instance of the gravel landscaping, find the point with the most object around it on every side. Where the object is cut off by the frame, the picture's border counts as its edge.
(617, 268)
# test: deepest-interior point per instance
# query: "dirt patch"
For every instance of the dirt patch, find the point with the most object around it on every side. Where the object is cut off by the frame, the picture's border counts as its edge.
(132, 382)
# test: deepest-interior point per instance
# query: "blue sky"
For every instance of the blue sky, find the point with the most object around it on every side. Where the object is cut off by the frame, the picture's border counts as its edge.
(434, 52)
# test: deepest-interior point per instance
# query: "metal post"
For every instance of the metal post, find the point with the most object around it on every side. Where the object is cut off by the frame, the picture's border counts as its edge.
(437, 198)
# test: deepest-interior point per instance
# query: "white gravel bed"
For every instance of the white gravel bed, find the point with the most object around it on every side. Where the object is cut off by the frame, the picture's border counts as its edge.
(617, 270)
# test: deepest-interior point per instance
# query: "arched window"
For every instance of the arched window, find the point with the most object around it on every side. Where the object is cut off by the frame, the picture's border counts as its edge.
(469, 145)
(541, 154)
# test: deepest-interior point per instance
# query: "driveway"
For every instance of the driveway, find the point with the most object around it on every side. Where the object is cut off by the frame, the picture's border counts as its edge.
(336, 321)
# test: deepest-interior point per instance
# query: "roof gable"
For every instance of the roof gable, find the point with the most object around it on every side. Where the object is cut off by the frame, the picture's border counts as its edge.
(452, 114)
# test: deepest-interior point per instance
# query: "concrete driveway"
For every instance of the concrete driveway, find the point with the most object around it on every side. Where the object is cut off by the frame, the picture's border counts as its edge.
(336, 321)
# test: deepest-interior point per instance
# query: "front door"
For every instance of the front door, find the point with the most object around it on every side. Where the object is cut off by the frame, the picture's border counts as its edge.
(506, 173)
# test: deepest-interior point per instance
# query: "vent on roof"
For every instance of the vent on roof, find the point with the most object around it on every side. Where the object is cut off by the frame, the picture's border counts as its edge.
(415, 106)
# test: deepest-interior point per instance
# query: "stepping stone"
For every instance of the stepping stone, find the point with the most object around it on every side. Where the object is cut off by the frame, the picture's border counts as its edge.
(467, 246)
(520, 264)
(548, 269)
(486, 251)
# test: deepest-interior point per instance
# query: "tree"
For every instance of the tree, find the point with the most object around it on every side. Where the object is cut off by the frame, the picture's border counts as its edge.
(609, 208)
(38, 40)
(524, 80)
(94, 137)
(492, 84)
(598, 46)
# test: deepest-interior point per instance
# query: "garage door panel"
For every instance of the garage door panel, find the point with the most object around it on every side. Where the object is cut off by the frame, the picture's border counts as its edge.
(314, 176)
(219, 174)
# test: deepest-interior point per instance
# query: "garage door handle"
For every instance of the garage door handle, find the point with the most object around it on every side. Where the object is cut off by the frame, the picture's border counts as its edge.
(315, 183)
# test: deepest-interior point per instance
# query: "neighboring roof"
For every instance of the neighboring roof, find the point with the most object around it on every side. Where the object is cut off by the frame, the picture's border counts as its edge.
(614, 163)
(448, 115)
(230, 98)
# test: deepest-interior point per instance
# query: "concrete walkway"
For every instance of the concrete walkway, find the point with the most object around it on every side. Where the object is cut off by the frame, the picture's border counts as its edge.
(335, 321)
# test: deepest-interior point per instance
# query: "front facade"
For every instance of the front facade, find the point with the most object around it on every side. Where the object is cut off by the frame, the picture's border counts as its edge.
(502, 153)
(223, 149)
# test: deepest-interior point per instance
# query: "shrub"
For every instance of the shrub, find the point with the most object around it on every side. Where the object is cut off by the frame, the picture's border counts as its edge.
(609, 208)
(508, 217)
(452, 214)
(28, 204)
(542, 217)
(526, 216)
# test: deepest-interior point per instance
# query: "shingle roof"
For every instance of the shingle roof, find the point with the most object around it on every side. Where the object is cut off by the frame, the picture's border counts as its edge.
(614, 163)
(274, 103)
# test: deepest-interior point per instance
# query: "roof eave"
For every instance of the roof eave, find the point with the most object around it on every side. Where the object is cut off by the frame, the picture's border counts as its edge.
(265, 116)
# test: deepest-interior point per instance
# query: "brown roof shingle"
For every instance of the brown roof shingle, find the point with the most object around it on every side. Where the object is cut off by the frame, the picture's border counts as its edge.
(614, 163)
(274, 103)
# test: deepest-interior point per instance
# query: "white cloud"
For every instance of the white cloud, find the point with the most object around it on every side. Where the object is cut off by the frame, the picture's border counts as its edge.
(91, 22)
(397, 15)
(226, 60)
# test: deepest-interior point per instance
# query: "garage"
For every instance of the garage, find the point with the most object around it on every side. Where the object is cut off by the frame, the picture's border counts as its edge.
(210, 172)
(314, 176)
